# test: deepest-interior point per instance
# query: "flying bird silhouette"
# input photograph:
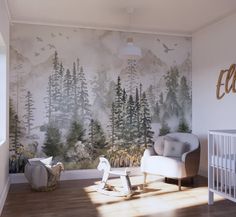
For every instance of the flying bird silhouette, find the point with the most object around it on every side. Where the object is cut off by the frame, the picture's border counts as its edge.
(158, 40)
(167, 49)
(39, 39)
(51, 46)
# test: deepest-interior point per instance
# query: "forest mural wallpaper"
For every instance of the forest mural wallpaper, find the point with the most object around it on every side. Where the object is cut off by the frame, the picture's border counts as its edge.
(74, 98)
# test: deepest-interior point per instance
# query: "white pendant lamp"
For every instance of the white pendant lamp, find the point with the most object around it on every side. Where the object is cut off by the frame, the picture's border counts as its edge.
(130, 51)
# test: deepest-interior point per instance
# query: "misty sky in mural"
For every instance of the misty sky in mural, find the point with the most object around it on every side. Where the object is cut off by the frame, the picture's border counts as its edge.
(100, 103)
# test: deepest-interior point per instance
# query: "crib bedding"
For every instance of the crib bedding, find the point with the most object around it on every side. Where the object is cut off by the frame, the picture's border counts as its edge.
(224, 162)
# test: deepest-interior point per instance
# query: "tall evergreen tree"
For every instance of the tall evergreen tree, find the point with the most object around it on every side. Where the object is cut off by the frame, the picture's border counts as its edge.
(54, 103)
(140, 91)
(76, 134)
(96, 137)
(156, 112)
(130, 112)
(124, 112)
(161, 99)
(154, 105)
(67, 93)
(112, 123)
(49, 100)
(15, 129)
(183, 126)
(151, 97)
(147, 133)
(55, 83)
(60, 93)
(75, 92)
(131, 71)
(184, 96)
(83, 100)
(118, 109)
(29, 107)
(67, 98)
(52, 145)
(165, 129)
(137, 120)
(55, 61)
(171, 104)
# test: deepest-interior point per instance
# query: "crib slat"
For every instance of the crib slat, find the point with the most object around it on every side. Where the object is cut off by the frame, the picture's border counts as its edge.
(230, 177)
(213, 167)
(225, 171)
(227, 167)
(234, 171)
(222, 163)
(217, 163)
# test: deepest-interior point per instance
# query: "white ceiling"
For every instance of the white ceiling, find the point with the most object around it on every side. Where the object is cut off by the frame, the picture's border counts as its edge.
(156, 16)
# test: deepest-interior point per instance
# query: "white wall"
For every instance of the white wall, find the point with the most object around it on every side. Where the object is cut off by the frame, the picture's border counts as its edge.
(4, 153)
(214, 48)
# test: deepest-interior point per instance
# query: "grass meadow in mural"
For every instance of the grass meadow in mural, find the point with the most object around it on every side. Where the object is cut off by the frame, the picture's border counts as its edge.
(77, 115)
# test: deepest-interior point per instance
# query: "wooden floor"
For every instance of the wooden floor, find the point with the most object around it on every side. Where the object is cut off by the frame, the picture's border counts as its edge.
(79, 199)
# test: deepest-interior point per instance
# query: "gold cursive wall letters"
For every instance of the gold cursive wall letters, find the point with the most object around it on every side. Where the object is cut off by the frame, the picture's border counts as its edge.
(226, 82)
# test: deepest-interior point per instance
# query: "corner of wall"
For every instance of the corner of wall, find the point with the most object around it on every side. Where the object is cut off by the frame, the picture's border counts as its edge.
(4, 148)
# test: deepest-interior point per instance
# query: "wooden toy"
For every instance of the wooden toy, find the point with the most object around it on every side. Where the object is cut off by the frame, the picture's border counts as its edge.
(104, 188)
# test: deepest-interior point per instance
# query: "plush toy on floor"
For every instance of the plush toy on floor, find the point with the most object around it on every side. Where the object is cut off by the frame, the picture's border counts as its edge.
(104, 188)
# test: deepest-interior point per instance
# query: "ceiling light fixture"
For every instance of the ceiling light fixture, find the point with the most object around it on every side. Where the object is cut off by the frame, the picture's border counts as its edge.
(130, 51)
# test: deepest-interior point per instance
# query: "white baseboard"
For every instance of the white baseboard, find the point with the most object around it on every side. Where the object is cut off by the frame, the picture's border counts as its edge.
(74, 175)
(3, 195)
(17, 178)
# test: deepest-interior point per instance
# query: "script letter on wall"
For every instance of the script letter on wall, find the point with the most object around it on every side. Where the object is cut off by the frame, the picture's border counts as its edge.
(226, 82)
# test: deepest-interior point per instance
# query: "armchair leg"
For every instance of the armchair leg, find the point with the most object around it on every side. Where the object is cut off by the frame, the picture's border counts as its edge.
(192, 181)
(179, 184)
(144, 179)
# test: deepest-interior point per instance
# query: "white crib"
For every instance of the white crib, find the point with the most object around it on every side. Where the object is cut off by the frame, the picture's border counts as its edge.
(222, 164)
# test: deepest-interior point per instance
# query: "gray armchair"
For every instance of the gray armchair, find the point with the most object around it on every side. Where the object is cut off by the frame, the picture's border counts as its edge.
(176, 155)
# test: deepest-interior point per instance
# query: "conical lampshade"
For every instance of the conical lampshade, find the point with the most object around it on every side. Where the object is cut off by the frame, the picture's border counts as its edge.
(130, 51)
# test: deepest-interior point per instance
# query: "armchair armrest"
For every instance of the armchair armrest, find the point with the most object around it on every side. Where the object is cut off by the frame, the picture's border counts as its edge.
(149, 151)
(191, 160)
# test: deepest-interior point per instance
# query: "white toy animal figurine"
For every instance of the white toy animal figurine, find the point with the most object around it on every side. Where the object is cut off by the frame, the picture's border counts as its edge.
(104, 188)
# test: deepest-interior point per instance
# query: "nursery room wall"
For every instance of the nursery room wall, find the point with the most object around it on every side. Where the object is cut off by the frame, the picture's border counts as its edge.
(213, 50)
(74, 97)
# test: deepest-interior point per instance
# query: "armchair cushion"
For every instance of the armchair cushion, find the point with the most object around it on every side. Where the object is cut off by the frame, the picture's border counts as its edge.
(173, 148)
(159, 145)
(36, 161)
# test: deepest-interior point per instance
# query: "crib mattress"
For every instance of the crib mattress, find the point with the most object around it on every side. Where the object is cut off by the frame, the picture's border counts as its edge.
(227, 162)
